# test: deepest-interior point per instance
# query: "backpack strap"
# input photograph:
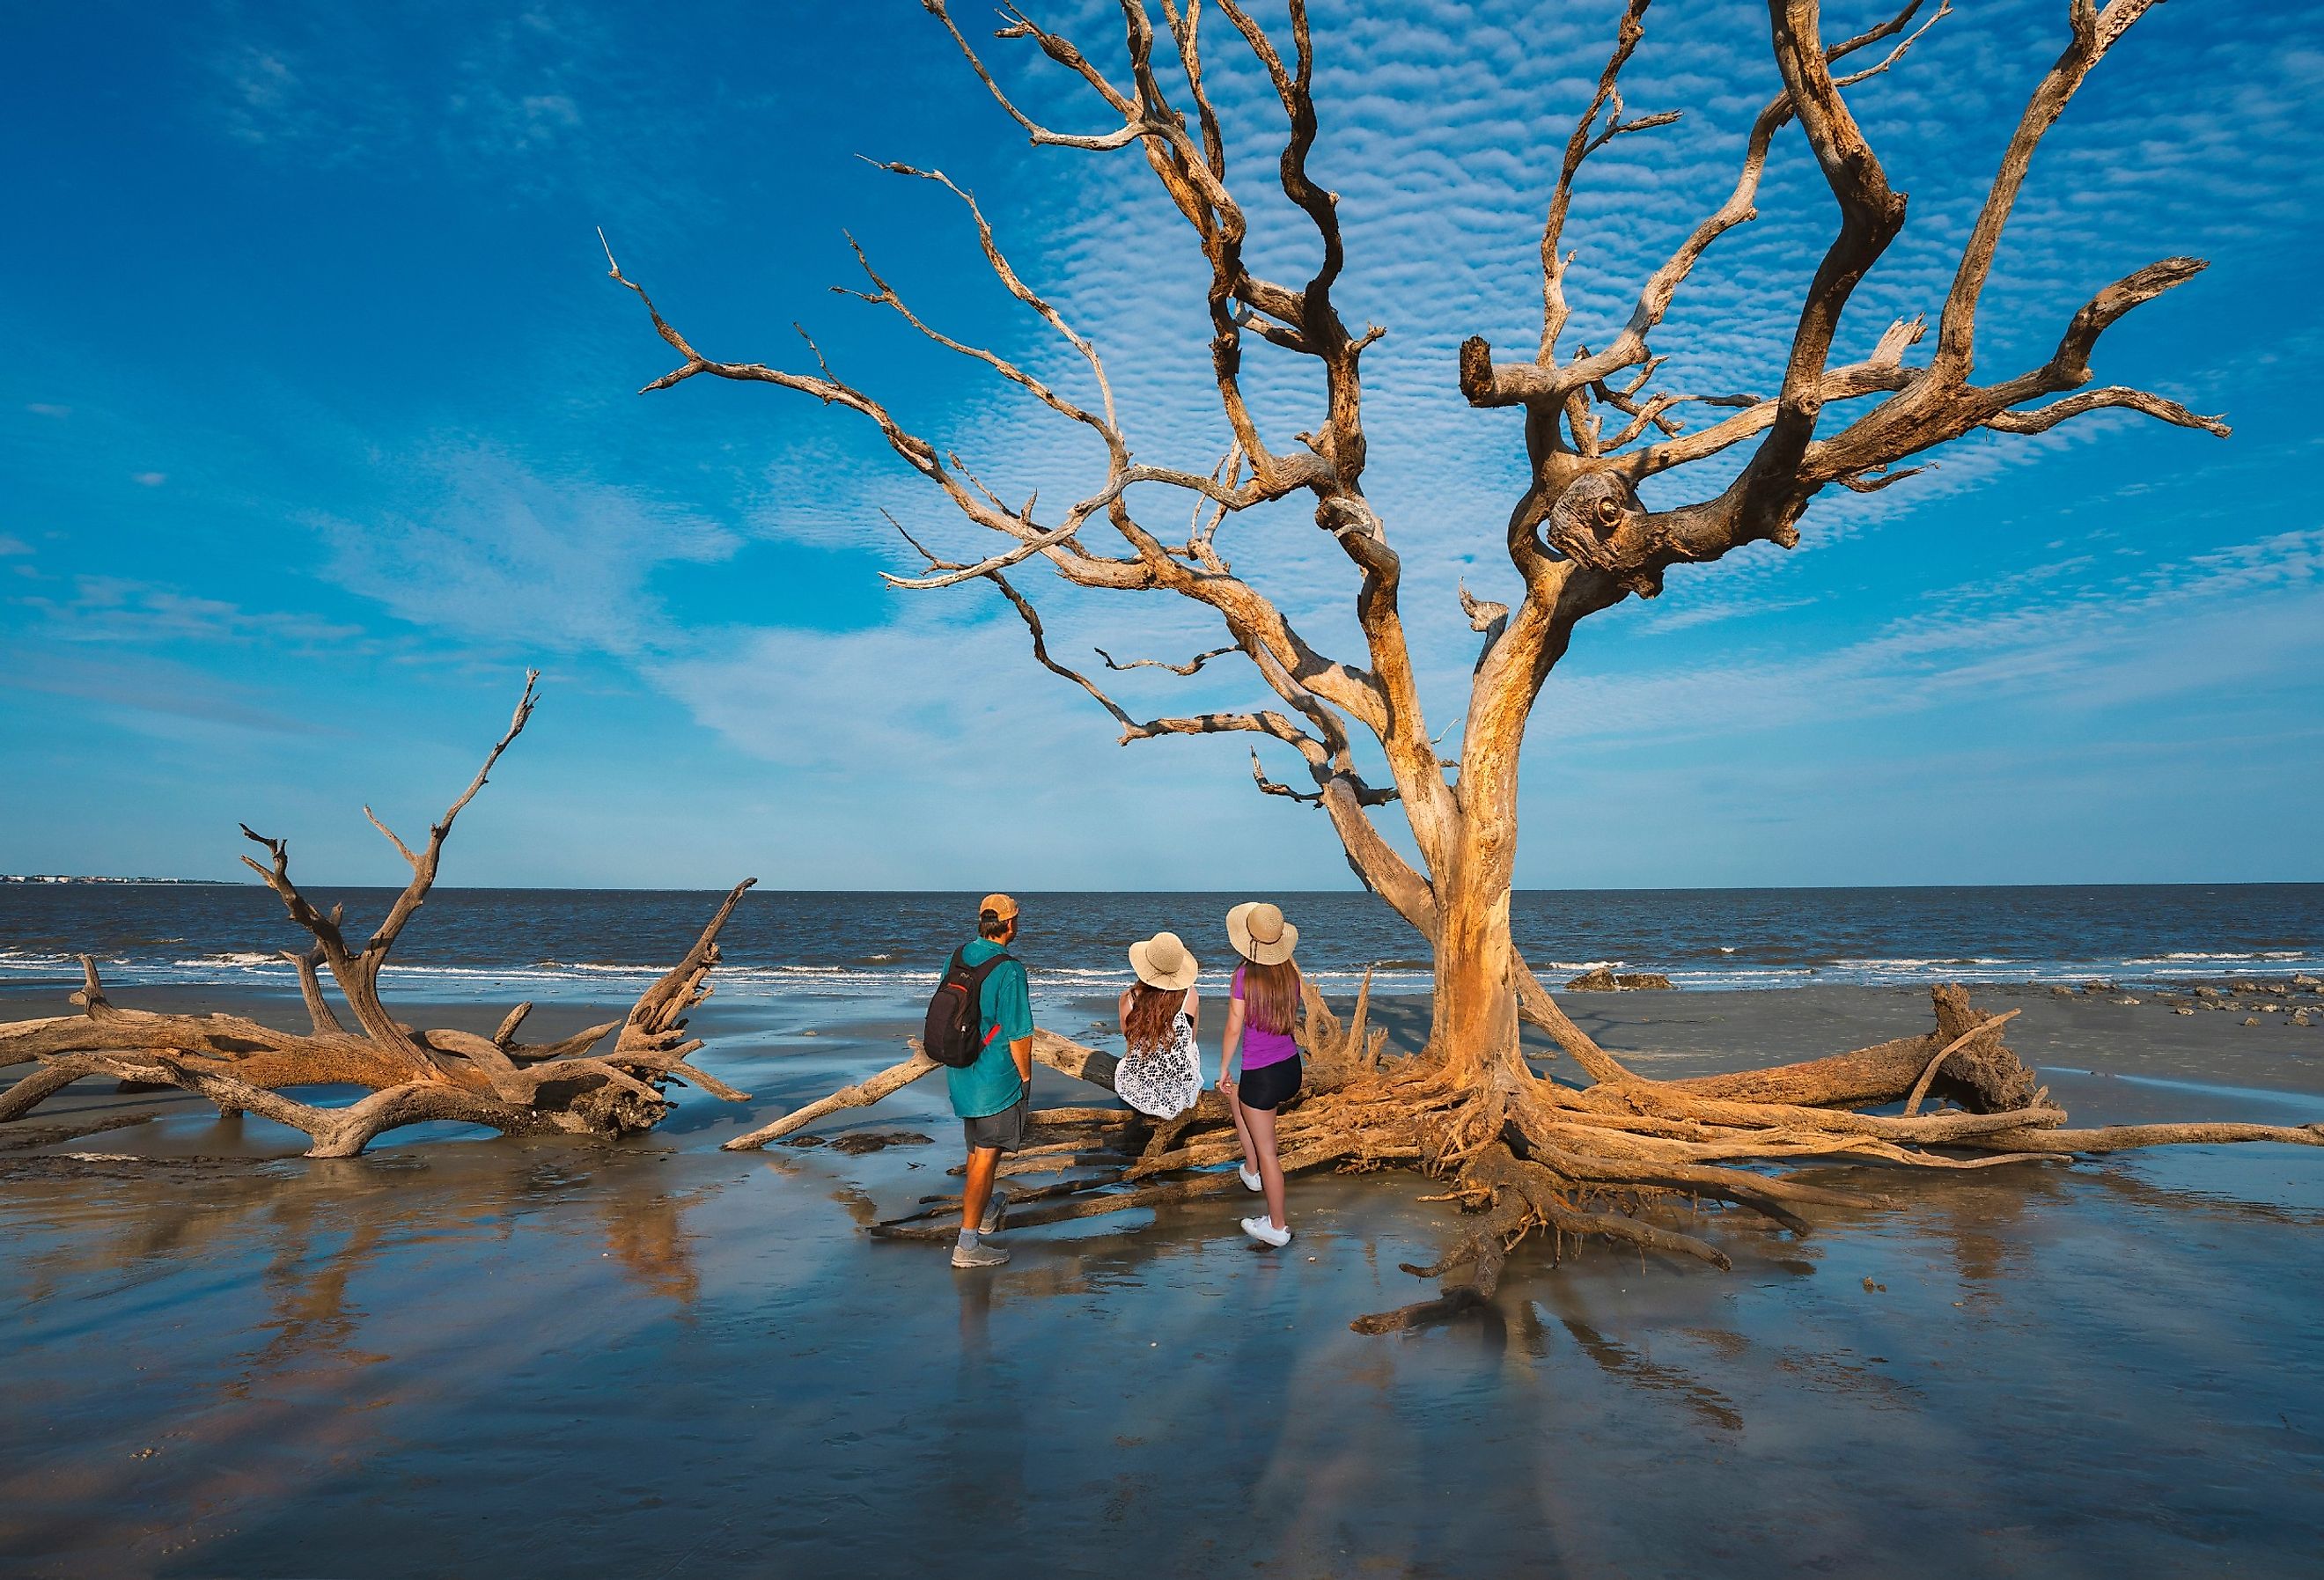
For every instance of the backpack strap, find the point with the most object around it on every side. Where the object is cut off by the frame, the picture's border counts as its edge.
(976, 976)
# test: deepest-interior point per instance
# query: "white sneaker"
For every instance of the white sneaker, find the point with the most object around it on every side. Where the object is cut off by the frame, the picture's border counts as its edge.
(1249, 1178)
(1259, 1229)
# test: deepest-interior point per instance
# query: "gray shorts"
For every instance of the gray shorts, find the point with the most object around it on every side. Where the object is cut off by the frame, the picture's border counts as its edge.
(1004, 1130)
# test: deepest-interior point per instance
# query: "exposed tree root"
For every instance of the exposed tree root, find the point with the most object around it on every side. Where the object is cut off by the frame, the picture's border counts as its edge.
(1528, 1157)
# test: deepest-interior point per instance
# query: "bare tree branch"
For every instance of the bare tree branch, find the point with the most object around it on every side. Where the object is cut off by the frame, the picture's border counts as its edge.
(1579, 146)
(2042, 419)
(1489, 618)
(2092, 36)
(1064, 54)
(424, 865)
(1269, 786)
(1542, 381)
(1189, 668)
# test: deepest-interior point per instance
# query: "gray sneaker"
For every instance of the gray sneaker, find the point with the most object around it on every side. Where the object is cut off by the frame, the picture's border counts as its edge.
(993, 1208)
(978, 1255)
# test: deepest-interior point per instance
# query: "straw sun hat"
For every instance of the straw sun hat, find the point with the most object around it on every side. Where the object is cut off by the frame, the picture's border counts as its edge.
(1162, 961)
(1259, 933)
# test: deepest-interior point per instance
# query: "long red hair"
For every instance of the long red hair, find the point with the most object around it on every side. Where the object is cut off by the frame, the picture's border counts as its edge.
(1270, 994)
(1153, 1011)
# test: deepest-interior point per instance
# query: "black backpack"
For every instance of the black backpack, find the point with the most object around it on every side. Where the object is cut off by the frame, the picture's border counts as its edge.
(955, 1035)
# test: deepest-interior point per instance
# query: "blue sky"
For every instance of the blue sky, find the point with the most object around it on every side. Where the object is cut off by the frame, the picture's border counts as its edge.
(318, 424)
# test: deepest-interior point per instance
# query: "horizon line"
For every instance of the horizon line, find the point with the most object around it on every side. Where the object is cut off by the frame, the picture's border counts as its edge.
(61, 881)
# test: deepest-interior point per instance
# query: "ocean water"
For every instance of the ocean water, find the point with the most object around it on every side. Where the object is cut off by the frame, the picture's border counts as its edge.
(547, 944)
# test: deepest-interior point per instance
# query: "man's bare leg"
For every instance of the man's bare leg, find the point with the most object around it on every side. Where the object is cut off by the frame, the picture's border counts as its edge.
(976, 1192)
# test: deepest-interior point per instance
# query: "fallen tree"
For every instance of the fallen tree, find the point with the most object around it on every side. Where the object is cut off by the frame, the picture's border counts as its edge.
(563, 1087)
(1597, 428)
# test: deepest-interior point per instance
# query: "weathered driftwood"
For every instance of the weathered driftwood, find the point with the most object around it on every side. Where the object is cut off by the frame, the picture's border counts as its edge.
(894, 1078)
(413, 1075)
(1980, 1073)
(1596, 426)
(1061, 1054)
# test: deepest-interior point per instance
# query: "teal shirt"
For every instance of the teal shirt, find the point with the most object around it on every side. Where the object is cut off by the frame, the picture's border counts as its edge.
(991, 1084)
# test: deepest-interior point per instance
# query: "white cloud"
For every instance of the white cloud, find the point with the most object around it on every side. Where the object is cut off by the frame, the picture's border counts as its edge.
(519, 96)
(114, 610)
(157, 697)
(494, 552)
(148, 479)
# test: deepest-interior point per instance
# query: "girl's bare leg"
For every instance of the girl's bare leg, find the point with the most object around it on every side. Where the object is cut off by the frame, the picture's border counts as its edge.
(1270, 1168)
(1242, 1129)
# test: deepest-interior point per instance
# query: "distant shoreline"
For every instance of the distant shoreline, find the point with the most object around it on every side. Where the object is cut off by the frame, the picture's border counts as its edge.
(59, 878)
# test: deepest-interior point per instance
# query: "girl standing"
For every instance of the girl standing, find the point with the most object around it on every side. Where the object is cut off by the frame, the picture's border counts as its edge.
(1265, 996)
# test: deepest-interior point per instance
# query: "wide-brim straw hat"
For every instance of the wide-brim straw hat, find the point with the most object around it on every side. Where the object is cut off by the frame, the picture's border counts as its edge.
(1162, 961)
(1259, 933)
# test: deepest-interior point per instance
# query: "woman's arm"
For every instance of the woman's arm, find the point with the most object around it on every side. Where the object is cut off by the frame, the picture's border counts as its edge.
(1229, 1041)
(1121, 1012)
(1193, 1005)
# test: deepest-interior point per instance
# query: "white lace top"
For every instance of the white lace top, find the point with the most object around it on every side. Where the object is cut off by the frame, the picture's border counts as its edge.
(1167, 1081)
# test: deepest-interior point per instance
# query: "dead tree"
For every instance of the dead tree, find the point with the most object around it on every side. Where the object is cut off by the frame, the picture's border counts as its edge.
(517, 1088)
(1596, 426)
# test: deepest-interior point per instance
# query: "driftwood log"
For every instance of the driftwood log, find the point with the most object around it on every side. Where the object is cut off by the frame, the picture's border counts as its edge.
(520, 1088)
(1597, 425)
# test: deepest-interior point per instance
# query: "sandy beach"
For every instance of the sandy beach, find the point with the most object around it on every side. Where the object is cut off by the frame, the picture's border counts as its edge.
(655, 1358)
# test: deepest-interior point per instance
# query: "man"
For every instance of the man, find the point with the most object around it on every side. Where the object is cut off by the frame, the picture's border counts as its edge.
(993, 1096)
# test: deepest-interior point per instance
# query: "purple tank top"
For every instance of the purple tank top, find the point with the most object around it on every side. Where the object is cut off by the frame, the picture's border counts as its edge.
(1260, 1047)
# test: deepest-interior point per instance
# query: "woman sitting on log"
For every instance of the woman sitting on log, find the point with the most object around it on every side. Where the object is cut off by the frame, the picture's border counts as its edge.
(1162, 1072)
(1266, 997)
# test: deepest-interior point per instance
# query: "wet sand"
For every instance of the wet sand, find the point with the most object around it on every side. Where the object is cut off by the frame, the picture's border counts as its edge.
(654, 1358)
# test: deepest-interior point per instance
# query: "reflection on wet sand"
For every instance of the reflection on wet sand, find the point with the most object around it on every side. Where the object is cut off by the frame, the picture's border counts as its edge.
(981, 1436)
(292, 1393)
(319, 1221)
(1618, 1360)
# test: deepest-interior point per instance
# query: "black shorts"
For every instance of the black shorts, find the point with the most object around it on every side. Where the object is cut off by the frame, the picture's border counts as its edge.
(1004, 1130)
(1271, 1087)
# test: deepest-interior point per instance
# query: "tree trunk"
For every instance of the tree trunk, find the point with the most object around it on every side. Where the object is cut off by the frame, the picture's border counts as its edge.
(1473, 1025)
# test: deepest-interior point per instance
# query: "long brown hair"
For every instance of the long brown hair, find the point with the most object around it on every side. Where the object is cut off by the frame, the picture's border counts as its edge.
(1270, 994)
(1152, 1011)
